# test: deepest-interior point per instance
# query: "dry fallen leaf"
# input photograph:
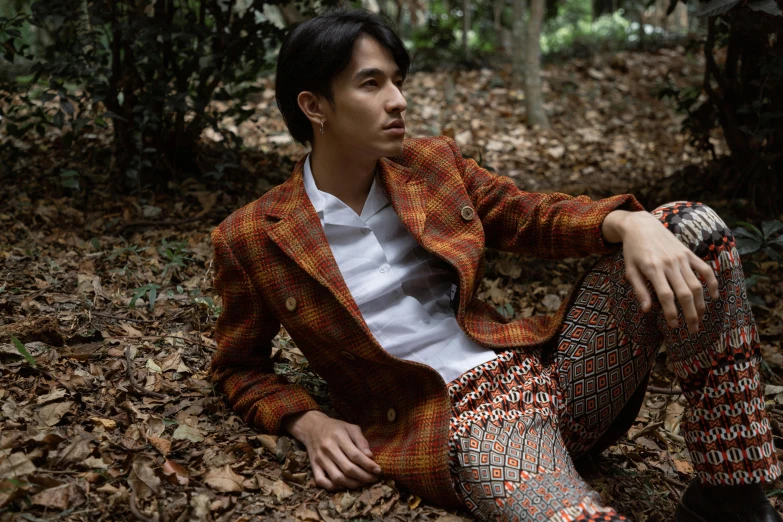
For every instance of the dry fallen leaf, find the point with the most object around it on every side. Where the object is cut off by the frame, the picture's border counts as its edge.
(224, 480)
(78, 450)
(269, 442)
(109, 424)
(16, 465)
(60, 498)
(281, 490)
(556, 152)
(683, 466)
(52, 413)
(10, 491)
(185, 432)
(143, 473)
(305, 514)
(551, 302)
(343, 501)
(53, 395)
(162, 445)
(94, 463)
(129, 330)
(175, 473)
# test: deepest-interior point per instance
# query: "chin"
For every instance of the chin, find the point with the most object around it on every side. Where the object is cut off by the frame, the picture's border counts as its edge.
(396, 148)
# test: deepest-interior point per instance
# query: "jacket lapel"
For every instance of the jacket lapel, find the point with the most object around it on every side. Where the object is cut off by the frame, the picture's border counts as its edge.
(301, 237)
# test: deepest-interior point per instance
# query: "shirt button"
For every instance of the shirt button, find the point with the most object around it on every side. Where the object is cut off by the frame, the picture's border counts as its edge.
(391, 414)
(467, 213)
(397, 293)
(347, 355)
(290, 303)
(427, 321)
(383, 269)
(365, 231)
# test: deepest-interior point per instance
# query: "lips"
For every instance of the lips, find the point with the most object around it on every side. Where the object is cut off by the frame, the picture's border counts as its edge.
(396, 124)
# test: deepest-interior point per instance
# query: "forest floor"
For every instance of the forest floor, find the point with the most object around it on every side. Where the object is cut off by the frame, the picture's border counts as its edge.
(112, 297)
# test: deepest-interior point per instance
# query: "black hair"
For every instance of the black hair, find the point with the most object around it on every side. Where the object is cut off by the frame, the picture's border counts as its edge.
(317, 50)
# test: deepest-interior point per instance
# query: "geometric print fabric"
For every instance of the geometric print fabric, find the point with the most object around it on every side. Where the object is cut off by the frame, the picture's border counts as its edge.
(726, 427)
(518, 420)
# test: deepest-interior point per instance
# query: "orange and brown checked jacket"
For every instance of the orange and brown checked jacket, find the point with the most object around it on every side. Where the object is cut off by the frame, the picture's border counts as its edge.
(274, 266)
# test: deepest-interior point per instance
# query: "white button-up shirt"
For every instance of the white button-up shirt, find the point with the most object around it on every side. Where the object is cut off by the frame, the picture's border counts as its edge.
(403, 291)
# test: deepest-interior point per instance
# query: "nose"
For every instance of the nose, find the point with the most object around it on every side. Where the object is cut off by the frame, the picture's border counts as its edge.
(397, 102)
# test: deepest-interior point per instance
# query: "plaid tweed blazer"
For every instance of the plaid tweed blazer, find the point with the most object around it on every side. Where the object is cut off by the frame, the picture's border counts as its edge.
(274, 266)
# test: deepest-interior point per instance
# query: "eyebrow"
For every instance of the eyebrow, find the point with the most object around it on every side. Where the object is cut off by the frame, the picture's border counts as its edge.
(372, 71)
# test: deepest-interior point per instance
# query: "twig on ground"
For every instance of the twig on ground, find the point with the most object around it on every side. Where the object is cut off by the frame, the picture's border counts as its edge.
(647, 429)
(152, 337)
(664, 391)
(137, 513)
(161, 223)
(136, 386)
(131, 319)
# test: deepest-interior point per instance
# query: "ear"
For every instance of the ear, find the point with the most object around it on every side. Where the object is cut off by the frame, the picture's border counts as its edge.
(311, 107)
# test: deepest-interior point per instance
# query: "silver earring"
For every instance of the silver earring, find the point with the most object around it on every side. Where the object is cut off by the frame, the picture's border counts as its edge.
(322, 127)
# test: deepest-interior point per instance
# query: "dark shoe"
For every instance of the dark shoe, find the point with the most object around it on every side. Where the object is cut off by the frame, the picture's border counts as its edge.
(706, 504)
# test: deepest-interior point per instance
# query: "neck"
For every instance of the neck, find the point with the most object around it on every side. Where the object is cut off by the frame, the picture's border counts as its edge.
(345, 176)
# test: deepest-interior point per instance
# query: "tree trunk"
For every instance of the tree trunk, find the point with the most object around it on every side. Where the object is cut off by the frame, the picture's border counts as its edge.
(517, 43)
(398, 16)
(532, 50)
(681, 13)
(465, 29)
(496, 12)
(641, 27)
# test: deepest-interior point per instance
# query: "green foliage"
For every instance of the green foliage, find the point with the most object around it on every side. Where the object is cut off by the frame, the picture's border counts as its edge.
(573, 28)
(69, 179)
(22, 350)
(123, 251)
(741, 94)
(757, 245)
(150, 70)
(436, 42)
(151, 289)
(751, 240)
(174, 254)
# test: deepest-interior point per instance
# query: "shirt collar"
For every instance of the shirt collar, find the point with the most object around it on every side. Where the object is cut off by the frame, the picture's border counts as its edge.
(332, 210)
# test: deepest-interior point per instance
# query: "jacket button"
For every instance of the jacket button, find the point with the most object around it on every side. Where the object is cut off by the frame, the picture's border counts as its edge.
(467, 213)
(290, 303)
(391, 414)
(347, 355)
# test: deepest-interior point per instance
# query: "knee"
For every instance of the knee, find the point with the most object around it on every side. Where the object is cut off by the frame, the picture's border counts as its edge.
(697, 226)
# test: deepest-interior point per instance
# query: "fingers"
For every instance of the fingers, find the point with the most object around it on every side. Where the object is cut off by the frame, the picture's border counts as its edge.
(666, 296)
(639, 287)
(685, 297)
(340, 456)
(338, 478)
(697, 293)
(707, 274)
(363, 459)
(321, 480)
(341, 461)
(354, 463)
(672, 288)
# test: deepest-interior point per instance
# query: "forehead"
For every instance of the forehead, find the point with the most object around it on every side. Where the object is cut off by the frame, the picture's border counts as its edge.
(369, 54)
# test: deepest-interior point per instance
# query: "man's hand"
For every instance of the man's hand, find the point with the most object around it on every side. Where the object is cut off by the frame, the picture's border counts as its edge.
(652, 252)
(339, 454)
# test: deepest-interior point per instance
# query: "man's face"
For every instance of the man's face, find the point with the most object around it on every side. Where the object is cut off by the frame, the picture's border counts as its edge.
(367, 99)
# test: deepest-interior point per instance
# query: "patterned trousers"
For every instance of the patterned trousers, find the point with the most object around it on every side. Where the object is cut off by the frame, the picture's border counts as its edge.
(519, 419)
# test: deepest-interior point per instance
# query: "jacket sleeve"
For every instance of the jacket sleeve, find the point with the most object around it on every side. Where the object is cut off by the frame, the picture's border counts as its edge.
(552, 226)
(241, 366)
